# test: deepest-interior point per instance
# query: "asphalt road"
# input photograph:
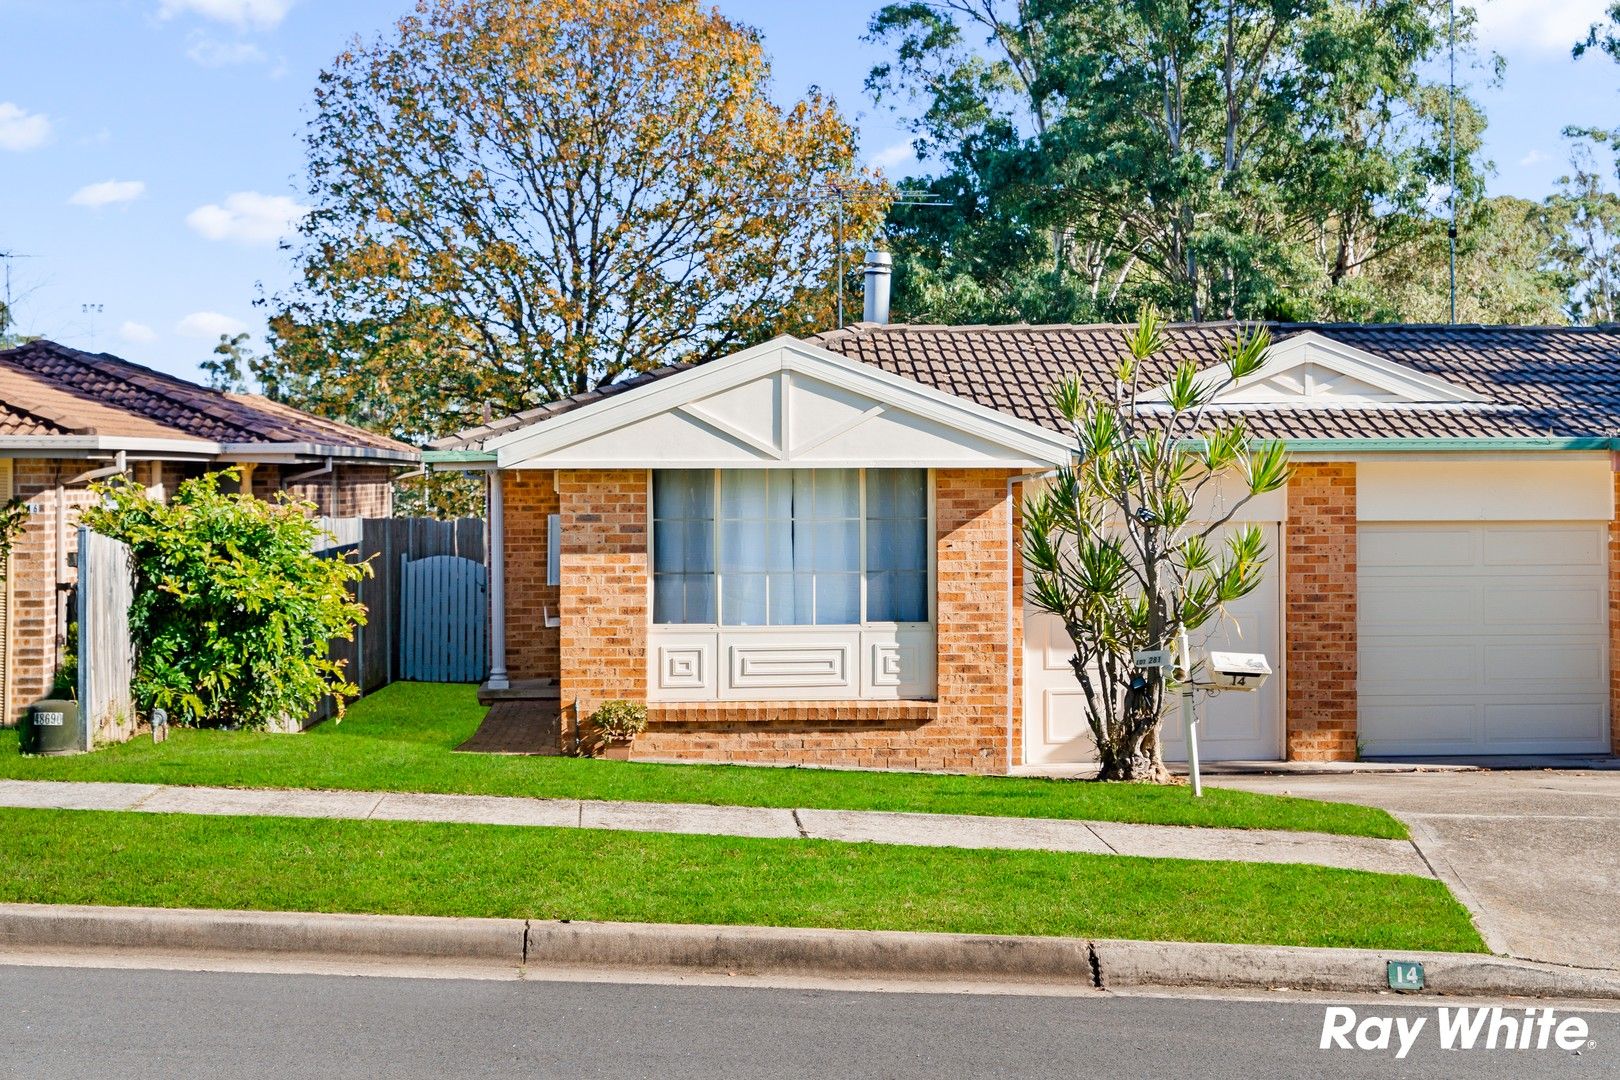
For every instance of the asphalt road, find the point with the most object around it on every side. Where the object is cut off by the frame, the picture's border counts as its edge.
(113, 1024)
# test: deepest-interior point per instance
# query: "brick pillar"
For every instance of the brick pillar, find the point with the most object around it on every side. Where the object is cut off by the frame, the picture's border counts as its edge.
(531, 646)
(1320, 588)
(1614, 616)
(971, 564)
(604, 593)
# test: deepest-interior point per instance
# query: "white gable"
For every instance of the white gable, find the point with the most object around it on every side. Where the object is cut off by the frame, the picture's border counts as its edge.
(1309, 370)
(781, 404)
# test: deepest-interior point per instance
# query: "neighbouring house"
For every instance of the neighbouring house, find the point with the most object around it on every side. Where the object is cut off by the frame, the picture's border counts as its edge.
(68, 417)
(807, 552)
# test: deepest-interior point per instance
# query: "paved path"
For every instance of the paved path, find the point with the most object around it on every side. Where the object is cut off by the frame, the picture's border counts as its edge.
(1536, 855)
(929, 830)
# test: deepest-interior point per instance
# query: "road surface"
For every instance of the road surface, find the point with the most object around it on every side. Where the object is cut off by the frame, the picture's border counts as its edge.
(110, 1024)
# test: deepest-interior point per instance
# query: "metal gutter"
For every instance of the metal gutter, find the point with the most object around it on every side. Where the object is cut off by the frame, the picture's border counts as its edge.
(1430, 443)
(458, 457)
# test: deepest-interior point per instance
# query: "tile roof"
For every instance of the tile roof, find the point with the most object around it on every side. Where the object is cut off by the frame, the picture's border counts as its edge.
(34, 406)
(1538, 381)
(90, 391)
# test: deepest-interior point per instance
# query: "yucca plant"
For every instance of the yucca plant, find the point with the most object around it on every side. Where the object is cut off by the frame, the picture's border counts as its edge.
(1115, 547)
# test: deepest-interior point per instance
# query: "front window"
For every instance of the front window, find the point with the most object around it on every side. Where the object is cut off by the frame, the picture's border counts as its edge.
(790, 547)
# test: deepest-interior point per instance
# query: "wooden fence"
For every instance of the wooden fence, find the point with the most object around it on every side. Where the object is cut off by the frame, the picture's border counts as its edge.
(106, 653)
(373, 657)
(443, 619)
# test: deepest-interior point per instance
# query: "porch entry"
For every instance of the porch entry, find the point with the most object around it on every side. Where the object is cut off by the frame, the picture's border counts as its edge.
(1232, 726)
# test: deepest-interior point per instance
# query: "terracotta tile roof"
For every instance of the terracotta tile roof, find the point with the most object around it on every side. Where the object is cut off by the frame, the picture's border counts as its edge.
(1538, 381)
(35, 406)
(91, 388)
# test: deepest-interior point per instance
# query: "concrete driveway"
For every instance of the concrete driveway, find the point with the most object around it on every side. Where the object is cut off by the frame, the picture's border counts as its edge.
(1535, 854)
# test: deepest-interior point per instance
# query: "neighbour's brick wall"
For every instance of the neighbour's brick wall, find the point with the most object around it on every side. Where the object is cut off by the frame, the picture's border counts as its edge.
(532, 648)
(1614, 616)
(965, 729)
(365, 491)
(604, 594)
(37, 634)
(1320, 592)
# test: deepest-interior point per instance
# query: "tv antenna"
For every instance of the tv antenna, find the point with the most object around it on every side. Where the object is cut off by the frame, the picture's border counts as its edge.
(1451, 153)
(92, 310)
(841, 193)
(10, 312)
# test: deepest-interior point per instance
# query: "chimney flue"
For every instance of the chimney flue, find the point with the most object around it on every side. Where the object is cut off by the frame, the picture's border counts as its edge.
(879, 267)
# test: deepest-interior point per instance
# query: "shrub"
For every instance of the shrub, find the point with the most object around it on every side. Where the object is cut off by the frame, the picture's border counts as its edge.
(233, 611)
(617, 721)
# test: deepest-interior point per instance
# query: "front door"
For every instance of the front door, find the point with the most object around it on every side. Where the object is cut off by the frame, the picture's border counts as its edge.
(1233, 726)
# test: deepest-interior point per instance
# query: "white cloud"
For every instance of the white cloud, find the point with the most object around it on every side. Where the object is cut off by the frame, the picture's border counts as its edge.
(247, 217)
(108, 192)
(21, 129)
(208, 324)
(137, 333)
(1515, 27)
(212, 53)
(1534, 157)
(242, 14)
(891, 157)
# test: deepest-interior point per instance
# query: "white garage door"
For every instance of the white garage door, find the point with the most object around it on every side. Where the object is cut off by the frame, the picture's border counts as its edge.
(1483, 639)
(1233, 726)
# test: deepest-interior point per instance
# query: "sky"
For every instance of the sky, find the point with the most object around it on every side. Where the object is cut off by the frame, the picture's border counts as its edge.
(150, 153)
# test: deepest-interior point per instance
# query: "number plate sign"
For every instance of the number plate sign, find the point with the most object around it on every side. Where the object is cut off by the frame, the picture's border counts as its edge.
(1153, 658)
(1405, 975)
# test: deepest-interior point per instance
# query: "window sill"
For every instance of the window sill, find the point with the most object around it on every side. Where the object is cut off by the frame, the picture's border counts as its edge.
(817, 714)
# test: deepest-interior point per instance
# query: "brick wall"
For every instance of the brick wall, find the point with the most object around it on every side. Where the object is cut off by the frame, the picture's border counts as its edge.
(1614, 617)
(36, 633)
(532, 648)
(1320, 595)
(365, 491)
(964, 729)
(603, 599)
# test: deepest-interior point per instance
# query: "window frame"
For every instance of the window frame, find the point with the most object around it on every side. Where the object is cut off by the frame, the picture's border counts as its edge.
(932, 546)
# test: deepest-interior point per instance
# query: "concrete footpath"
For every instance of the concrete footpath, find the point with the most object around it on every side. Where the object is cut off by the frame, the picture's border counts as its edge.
(928, 830)
(523, 948)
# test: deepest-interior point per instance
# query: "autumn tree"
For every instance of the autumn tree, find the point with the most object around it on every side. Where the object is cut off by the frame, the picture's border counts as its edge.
(515, 200)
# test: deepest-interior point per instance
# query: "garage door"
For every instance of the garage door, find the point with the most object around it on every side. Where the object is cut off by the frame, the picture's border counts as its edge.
(1483, 639)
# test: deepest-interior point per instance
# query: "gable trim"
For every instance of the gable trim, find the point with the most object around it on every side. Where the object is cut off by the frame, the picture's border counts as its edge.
(1407, 386)
(1018, 442)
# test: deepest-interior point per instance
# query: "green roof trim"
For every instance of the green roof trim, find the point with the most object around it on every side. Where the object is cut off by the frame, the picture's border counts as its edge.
(1426, 443)
(456, 457)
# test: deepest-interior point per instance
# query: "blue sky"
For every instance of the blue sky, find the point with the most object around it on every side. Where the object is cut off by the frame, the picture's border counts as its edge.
(150, 155)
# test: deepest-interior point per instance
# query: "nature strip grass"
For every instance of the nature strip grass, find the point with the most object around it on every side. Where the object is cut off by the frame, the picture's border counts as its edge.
(296, 864)
(402, 739)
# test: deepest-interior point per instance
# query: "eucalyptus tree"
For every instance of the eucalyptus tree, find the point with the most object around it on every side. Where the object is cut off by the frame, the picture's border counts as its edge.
(1121, 546)
(1237, 159)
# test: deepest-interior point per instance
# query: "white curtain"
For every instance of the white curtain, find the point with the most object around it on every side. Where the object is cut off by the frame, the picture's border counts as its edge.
(782, 547)
(897, 545)
(683, 546)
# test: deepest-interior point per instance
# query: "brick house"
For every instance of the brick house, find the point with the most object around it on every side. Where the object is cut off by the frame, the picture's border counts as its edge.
(806, 552)
(67, 417)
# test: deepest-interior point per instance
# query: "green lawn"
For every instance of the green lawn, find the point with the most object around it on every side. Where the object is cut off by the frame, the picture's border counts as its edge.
(400, 739)
(293, 864)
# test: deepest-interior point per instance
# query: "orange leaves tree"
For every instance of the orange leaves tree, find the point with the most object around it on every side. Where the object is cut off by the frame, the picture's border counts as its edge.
(514, 200)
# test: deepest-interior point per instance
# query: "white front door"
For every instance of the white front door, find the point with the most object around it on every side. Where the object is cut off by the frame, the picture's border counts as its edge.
(1234, 726)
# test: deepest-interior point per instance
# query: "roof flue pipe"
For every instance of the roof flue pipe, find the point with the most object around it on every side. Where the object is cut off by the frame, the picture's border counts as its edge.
(879, 268)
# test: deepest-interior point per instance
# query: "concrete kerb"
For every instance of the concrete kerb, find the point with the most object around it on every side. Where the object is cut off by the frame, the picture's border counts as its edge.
(766, 951)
